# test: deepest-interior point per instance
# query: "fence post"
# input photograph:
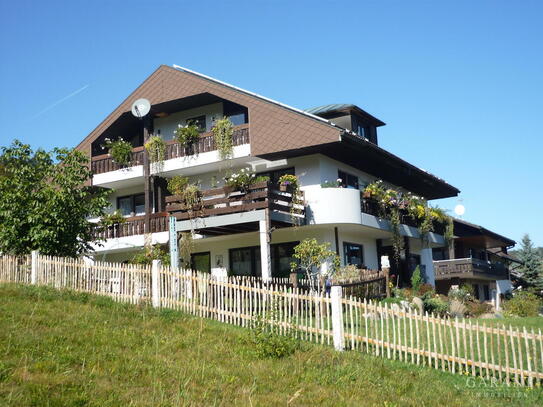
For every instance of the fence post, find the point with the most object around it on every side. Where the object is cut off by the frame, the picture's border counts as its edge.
(155, 279)
(34, 267)
(337, 317)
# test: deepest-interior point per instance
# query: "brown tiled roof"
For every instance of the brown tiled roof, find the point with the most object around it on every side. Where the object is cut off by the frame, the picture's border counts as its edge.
(273, 127)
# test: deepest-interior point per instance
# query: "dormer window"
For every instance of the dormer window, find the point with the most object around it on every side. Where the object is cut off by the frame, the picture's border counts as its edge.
(363, 131)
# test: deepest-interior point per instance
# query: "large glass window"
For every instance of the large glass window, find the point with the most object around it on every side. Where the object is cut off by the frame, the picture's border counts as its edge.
(348, 180)
(353, 254)
(246, 261)
(201, 262)
(199, 122)
(131, 205)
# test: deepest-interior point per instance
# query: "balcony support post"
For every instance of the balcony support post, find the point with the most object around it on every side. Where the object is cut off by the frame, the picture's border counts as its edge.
(427, 261)
(265, 258)
(147, 181)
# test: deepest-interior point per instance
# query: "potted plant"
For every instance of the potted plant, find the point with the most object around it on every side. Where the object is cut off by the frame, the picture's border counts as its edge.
(288, 183)
(187, 136)
(119, 150)
(156, 148)
(223, 130)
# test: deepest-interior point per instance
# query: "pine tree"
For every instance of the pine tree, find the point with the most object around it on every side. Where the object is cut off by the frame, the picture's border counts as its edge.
(532, 269)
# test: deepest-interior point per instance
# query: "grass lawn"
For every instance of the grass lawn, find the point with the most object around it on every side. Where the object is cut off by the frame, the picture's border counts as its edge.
(67, 349)
(529, 322)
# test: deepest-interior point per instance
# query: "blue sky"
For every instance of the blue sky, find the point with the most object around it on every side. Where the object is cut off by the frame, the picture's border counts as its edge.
(459, 83)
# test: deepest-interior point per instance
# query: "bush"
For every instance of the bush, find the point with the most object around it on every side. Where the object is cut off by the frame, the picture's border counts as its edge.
(435, 305)
(120, 150)
(426, 288)
(416, 280)
(523, 304)
(391, 300)
(476, 308)
(269, 344)
(462, 294)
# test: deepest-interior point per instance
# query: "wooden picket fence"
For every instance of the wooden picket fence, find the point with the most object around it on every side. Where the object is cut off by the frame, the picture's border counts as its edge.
(510, 355)
(456, 345)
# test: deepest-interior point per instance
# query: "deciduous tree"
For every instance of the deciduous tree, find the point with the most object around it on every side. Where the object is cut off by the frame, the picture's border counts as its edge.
(44, 202)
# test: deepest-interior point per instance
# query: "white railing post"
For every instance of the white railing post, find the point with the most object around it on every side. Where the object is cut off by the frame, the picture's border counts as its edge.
(34, 268)
(337, 318)
(155, 280)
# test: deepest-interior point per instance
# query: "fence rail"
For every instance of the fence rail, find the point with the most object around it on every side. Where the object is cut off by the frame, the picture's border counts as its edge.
(511, 355)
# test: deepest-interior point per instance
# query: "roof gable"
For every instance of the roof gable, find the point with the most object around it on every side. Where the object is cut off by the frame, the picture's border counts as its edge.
(273, 127)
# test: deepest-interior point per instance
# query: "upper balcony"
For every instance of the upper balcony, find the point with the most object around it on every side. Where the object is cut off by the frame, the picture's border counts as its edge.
(470, 268)
(102, 164)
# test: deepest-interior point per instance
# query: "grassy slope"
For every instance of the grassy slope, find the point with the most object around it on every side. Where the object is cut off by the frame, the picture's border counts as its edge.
(59, 349)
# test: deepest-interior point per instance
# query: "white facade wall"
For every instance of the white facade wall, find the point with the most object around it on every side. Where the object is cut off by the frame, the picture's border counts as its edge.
(167, 125)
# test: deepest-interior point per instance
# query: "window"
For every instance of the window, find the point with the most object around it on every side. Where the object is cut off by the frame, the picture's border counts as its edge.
(246, 261)
(201, 262)
(131, 205)
(276, 174)
(353, 254)
(363, 131)
(199, 122)
(348, 180)
(236, 113)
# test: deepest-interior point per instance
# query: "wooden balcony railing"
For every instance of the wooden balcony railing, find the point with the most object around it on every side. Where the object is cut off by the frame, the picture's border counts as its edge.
(104, 163)
(469, 268)
(222, 201)
(133, 226)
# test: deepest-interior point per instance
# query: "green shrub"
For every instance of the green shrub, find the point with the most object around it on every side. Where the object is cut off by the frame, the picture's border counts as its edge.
(522, 304)
(269, 344)
(476, 308)
(462, 294)
(391, 300)
(436, 305)
(416, 280)
(147, 255)
(187, 135)
(120, 150)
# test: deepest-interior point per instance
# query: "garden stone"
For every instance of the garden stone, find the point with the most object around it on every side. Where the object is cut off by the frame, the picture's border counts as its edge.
(488, 315)
(418, 304)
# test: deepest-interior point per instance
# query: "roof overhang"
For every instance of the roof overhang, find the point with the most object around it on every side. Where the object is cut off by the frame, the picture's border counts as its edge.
(480, 236)
(366, 156)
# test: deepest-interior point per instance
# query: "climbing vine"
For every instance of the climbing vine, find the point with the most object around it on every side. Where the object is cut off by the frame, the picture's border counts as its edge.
(290, 183)
(391, 205)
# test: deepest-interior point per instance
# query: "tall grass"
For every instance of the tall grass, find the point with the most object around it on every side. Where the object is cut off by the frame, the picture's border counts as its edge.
(59, 348)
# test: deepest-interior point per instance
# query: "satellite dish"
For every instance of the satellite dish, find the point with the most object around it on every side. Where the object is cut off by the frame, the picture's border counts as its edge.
(140, 108)
(459, 209)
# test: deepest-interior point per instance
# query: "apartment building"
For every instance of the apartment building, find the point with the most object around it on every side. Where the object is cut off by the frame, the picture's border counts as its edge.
(333, 151)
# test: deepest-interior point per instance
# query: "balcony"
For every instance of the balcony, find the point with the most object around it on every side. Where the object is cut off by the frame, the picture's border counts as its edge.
(371, 207)
(469, 268)
(133, 226)
(104, 163)
(226, 211)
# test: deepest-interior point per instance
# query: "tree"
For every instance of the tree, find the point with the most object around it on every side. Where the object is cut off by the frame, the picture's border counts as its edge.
(311, 255)
(531, 271)
(45, 204)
